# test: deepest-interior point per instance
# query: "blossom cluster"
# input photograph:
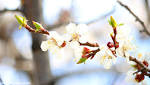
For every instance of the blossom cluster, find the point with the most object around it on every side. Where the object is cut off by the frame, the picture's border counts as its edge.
(76, 38)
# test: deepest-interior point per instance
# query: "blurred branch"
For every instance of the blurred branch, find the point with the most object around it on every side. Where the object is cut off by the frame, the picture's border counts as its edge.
(51, 27)
(2, 83)
(136, 17)
(80, 72)
(8, 10)
(64, 19)
(147, 9)
(103, 16)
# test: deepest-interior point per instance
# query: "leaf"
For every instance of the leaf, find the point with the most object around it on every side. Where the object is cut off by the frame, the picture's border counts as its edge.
(134, 66)
(110, 23)
(82, 60)
(37, 25)
(21, 20)
(121, 24)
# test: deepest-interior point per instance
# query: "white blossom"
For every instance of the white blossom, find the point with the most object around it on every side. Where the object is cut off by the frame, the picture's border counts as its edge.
(53, 43)
(77, 32)
(125, 39)
(58, 39)
(107, 58)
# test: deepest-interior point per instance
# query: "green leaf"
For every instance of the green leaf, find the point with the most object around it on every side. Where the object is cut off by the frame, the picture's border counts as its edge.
(37, 25)
(121, 24)
(21, 20)
(134, 66)
(110, 23)
(82, 60)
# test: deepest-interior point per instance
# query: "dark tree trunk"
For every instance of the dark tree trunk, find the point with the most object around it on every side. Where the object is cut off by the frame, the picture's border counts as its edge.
(32, 9)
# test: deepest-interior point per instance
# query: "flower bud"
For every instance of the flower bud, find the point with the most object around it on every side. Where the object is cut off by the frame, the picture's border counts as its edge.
(110, 44)
(112, 22)
(21, 20)
(139, 77)
(145, 63)
(37, 25)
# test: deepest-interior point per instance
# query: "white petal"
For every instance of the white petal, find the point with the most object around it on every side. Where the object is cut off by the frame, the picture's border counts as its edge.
(44, 46)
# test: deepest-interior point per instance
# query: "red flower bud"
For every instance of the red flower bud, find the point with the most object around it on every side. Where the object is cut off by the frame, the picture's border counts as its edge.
(110, 44)
(139, 77)
(86, 50)
(63, 44)
(145, 63)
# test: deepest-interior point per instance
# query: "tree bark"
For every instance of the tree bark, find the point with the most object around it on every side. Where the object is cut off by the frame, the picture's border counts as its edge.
(32, 9)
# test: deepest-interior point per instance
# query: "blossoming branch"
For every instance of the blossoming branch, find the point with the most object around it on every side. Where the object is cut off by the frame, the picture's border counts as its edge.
(75, 38)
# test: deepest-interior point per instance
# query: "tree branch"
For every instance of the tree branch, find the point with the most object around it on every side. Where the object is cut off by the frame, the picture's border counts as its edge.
(30, 29)
(8, 10)
(143, 68)
(89, 44)
(136, 17)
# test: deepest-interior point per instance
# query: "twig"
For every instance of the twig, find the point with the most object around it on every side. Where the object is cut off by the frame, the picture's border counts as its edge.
(143, 69)
(136, 17)
(89, 44)
(6, 10)
(30, 29)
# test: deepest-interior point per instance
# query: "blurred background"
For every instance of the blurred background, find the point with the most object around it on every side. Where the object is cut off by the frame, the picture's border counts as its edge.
(23, 63)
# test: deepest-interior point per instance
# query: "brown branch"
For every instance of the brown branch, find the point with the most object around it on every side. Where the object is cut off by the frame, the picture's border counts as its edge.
(136, 17)
(7, 10)
(115, 43)
(143, 69)
(89, 44)
(30, 29)
(93, 53)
